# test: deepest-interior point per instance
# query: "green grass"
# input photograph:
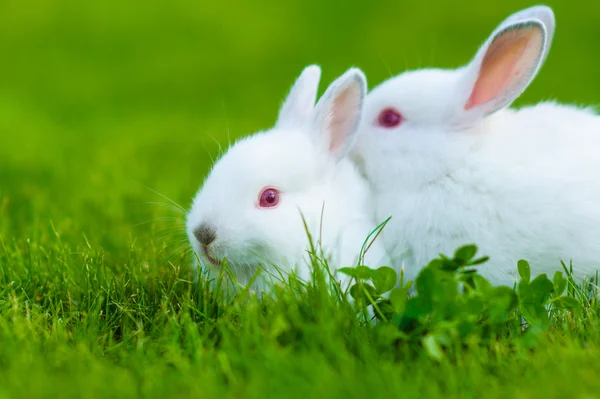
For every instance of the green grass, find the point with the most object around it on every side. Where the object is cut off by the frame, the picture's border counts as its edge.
(99, 100)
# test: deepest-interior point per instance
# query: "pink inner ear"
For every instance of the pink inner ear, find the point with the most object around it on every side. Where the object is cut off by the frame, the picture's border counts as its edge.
(507, 65)
(343, 116)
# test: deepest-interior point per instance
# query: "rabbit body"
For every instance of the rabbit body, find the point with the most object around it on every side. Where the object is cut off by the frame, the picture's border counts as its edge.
(452, 165)
(524, 185)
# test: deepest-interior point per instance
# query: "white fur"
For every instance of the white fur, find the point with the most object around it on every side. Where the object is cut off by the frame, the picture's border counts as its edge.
(520, 184)
(314, 178)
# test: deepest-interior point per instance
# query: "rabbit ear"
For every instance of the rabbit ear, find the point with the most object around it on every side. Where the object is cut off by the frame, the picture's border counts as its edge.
(338, 112)
(507, 63)
(544, 14)
(299, 104)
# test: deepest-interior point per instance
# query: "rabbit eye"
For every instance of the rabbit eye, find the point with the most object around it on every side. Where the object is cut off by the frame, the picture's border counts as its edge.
(269, 197)
(389, 118)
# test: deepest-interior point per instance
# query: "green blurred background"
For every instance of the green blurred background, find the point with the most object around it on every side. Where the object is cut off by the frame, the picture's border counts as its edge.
(98, 99)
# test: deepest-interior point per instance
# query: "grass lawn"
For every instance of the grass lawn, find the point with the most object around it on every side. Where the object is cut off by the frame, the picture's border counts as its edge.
(104, 105)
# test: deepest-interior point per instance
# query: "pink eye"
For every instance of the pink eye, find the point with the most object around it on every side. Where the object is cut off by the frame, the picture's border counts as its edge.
(389, 118)
(269, 197)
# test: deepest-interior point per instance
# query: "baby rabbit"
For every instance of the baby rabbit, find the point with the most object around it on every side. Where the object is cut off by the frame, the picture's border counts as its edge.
(452, 165)
(249, 209)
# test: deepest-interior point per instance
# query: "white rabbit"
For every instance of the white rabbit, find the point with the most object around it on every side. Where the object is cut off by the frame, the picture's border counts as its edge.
(249, 209)
(452, 165)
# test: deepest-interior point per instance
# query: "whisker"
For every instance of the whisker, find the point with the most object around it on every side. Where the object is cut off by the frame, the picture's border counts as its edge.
(178, 227)
(175, 246)
(162, 196)
(384, 62)
(227, 123)
(159, 219)
(212, 160)
(170, 233)
(182, 248)
(221, 152)
(169, 206)
(166, 238)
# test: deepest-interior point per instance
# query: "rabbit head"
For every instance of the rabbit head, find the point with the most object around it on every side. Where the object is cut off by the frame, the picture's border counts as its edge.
(428, 120)
(251, 209)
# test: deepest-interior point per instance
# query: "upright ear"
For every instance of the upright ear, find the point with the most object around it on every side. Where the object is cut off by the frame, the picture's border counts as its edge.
(337, 114)
(541, 13)
(299, 104)
(509, 60)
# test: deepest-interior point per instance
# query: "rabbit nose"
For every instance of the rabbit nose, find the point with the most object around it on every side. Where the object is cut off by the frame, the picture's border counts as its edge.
(205, 234)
